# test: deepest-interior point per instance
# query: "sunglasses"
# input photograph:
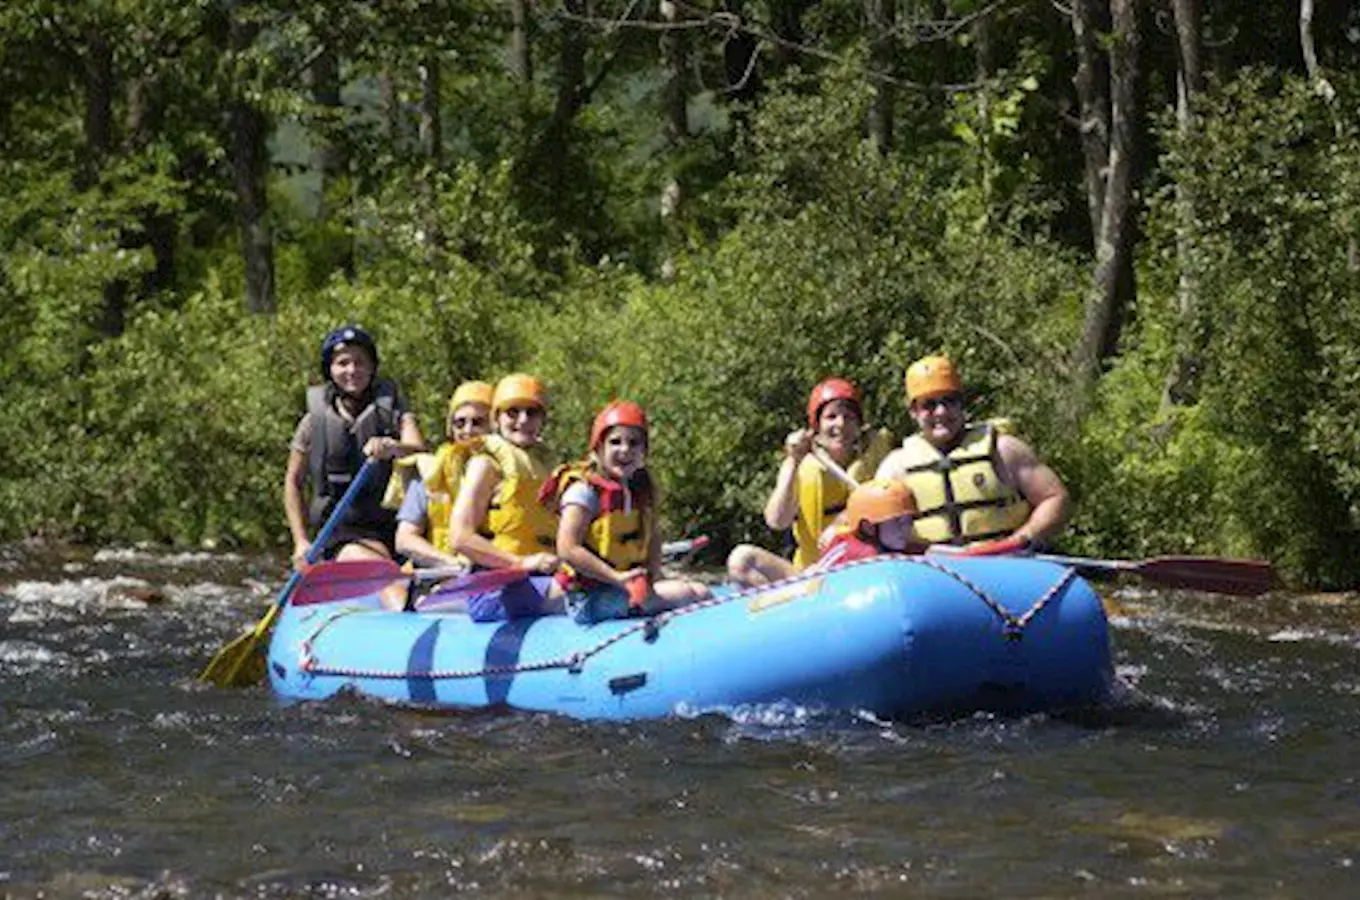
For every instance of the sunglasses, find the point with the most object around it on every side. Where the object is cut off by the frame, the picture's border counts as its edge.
(527, 411)
(469, 421)
(946, 401)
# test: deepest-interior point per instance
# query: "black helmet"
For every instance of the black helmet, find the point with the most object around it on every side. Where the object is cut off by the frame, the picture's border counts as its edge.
(346, 334)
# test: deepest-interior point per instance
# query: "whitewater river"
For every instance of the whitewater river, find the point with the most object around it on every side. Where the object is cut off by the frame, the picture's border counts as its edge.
(1229, 767)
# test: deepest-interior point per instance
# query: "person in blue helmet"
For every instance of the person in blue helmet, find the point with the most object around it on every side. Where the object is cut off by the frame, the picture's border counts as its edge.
(350, 416)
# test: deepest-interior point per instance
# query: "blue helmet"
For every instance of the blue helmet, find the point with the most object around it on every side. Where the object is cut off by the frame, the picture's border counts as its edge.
(346, 334)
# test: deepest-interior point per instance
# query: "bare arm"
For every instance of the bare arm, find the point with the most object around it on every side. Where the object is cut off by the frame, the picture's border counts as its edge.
(782, 507)
(412, 542)
(469, 512)
(1050, 505)
(470, 509)
(295, 477)
(411, 439)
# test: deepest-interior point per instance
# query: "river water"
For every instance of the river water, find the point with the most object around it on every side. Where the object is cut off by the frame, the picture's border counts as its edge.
(1227, 766)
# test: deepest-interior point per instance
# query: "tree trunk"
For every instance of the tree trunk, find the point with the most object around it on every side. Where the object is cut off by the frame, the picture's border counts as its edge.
(98, 65)
(786, 19)
(98, 124)
(882, 16)
(145, 105)
(390, 105)
(331, 158)
(521, 58)
(675, 127)
(571, 65)
(1325, 90)
(1090, 20)
(250, 168)
(1111, 292)
(1182, 382)
(552, 152)
(940, 61)
(739, 60)
(431, 144)
(984, 69)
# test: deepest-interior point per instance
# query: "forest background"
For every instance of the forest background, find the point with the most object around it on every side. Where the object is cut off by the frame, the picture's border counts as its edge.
(1134, 223)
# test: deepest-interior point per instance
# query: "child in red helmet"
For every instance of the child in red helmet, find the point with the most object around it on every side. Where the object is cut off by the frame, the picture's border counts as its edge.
(806, 497)
(607, 536)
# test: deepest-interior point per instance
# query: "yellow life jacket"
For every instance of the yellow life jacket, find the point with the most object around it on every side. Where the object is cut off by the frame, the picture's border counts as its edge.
(961, 494)
(442, 479)
(516, 522)
(621, 532)
(822, 496)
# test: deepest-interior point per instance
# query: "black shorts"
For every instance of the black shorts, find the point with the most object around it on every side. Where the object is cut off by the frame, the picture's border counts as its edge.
(385, 534)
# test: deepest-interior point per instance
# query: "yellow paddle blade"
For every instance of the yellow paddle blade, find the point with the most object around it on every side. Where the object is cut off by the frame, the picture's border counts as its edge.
(241, 663)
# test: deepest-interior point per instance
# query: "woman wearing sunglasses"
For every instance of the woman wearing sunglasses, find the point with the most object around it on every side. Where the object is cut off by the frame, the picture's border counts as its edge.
(975, 484)
(497, 521)
(432, 480)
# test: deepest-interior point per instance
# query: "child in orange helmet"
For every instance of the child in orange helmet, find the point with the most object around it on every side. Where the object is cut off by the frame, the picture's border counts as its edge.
(878, 519)
(607, 536)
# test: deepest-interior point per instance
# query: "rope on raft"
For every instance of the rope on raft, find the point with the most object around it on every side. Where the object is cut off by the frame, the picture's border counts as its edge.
(1013, 626)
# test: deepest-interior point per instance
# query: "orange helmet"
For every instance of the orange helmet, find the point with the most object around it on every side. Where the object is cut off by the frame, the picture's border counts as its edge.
(619, 412)
(878, 501)
(471, 392)
(932, 376)
(521, 389)
(828, 390)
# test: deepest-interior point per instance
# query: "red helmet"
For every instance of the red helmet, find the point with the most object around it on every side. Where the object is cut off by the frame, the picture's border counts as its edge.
(832, 389)
(619, 412)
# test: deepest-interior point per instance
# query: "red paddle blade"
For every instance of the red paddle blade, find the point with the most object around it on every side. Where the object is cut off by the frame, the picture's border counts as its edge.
(464, 586)
(1240, 577)
(328, 582)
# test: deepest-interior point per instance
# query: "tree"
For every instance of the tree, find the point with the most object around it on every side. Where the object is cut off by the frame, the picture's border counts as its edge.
(247, 131)
(1182, 382)
(1110, 179)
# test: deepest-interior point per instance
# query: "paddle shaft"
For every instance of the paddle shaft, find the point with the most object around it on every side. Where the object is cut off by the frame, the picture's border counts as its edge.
(318, 547)
(1239, 577)
(834, 467)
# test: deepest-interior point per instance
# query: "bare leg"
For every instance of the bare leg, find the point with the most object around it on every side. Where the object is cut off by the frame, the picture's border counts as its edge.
(755, 566)
(676, 592)
(362, 550)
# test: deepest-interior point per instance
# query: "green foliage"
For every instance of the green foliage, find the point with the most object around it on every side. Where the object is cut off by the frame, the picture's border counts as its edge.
(1265, 464)
(149, 404)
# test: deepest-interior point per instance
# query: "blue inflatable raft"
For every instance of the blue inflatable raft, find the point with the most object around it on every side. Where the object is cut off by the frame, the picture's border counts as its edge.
(896, 636)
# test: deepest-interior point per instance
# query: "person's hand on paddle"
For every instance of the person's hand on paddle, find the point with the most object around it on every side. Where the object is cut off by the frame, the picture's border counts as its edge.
(1016, 543)
(300, 549)
(998, 547)
(382, 448)
(798, 444)
(542, 563)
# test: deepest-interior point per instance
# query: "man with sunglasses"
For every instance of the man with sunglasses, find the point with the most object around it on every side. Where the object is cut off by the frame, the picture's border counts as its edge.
(976, 484)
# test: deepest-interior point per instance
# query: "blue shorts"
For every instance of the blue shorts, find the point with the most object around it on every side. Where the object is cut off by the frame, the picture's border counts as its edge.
(523, 599)
(597, 603)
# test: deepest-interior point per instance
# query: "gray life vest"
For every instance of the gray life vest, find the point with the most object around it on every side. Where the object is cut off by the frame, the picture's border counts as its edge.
(336, 453)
